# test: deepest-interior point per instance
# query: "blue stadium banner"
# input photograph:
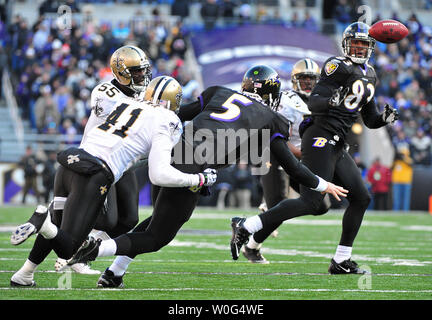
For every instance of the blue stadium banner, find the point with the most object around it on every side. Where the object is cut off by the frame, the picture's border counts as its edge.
(225, 55)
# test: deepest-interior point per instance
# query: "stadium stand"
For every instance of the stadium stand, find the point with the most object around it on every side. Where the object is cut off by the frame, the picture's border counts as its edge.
(50, 73)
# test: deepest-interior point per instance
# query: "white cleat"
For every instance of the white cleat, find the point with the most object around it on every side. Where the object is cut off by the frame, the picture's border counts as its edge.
(32, 226)
(22, 279)
(81, 268)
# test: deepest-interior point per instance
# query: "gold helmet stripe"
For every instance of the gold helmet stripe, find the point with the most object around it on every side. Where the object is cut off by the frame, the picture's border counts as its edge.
(138, 52)
(160, 87)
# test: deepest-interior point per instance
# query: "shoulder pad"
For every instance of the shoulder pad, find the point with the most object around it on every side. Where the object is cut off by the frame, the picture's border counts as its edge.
(331, 66)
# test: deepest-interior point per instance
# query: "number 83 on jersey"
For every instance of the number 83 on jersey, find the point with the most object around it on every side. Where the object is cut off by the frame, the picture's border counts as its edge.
(358, 91)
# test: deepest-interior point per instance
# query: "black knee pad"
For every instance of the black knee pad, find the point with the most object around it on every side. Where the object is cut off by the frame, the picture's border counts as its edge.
(56, 215)
(320, 211)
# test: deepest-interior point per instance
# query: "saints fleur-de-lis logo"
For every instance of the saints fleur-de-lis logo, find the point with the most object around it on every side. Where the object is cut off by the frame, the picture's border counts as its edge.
(119, 61)
(103, 189)
(73, 158)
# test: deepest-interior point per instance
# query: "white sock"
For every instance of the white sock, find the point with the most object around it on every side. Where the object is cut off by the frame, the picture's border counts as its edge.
(120, 265)
(342, 253)
(107, 248)
(253, 224)
(28, 268)
(252, 244)
(48, 230)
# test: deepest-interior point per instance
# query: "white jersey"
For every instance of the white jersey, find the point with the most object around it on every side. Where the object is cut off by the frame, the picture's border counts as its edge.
(135, 130)
(293, 108)
(103, 99)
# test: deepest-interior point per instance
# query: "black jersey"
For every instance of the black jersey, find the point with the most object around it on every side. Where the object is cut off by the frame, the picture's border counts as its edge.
(361, 81)
(224, 123)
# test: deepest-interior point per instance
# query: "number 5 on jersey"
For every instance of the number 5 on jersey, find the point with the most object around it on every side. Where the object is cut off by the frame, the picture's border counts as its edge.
(232, 112)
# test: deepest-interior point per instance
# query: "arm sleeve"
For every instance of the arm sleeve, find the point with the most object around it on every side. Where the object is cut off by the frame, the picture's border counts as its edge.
(333, 75)
(319, 103)
(295, 168)
(371, 117)
(189, 111)
(100, 103)
(161, 173)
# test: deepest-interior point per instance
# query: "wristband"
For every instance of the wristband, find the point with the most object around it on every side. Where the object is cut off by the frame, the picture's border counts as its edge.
(322, 185)
(202, 179)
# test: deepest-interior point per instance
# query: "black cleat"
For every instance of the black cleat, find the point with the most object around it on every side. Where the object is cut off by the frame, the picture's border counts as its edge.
(345, 267)
(240, 236)
(19, 285)
(254, 255)
(32, 226)
(87, 252)
(22, 280)
(109, 280)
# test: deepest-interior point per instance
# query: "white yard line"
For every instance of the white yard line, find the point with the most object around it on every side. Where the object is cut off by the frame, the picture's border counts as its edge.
(227, 289)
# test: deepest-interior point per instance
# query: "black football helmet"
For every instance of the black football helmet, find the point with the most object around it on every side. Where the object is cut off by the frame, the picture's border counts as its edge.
(263, 82)
(357, 31)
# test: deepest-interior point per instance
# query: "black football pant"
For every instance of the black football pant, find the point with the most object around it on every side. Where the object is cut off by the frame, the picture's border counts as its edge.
(172, 207)
(325, 156)
(122, 206)
(85, 196)
(275, 188)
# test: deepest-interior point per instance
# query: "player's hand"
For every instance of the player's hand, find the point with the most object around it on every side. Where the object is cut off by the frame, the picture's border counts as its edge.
(390, 114)
(208, 177)
(336, 191)
(338, 96)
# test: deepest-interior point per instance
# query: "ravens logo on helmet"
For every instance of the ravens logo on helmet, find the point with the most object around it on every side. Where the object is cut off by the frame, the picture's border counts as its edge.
(264, 82)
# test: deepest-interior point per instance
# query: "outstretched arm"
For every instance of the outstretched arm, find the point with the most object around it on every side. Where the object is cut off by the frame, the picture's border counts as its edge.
(300, 172)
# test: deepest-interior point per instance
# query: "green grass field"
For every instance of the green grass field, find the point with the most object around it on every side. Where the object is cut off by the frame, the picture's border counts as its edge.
(197, 264)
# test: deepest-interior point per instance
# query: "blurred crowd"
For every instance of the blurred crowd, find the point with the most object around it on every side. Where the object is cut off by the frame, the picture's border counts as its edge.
(404, 71)
(55, 70)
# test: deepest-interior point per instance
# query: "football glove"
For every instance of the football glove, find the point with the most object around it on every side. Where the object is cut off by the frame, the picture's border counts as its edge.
(207, 178)
(390, 114)
(338, 96)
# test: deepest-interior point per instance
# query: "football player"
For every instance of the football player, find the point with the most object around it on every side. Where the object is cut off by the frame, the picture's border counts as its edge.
(345, 90)
(293, 106)
(131, 131)
(132, 73)
(217, 108)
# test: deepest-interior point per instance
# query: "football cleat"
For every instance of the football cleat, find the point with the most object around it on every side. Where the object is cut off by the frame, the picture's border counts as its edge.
(83, 268)
(345, 267)
(22, 280)
(109, 280)
(32, 226)
(240, 236)
(61, 265)
(87, 252)
(254, 255)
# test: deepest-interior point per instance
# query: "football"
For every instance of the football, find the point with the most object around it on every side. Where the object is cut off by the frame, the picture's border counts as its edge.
(388, 31)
